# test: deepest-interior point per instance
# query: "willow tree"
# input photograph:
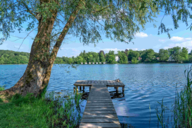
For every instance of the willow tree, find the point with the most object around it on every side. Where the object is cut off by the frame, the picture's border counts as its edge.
(85, 19)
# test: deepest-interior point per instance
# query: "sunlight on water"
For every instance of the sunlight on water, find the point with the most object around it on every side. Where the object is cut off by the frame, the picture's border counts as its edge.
(145, 85)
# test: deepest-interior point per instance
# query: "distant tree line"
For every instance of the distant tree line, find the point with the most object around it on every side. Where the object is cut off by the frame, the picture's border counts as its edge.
(175, 54)
(12, 57)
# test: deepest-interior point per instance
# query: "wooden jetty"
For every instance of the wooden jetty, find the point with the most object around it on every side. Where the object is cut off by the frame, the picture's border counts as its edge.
(99, 111)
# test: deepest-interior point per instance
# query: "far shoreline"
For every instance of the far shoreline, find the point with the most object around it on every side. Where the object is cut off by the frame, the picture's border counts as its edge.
(111, 64)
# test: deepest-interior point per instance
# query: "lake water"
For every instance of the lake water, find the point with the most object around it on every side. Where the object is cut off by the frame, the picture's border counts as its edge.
(145, 86)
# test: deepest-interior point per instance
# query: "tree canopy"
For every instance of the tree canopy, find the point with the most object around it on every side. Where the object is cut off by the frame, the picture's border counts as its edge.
(120, 19)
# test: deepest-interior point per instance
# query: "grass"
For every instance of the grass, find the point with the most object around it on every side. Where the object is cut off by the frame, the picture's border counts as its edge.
(2, 88)
(182, 107)
(31, 112)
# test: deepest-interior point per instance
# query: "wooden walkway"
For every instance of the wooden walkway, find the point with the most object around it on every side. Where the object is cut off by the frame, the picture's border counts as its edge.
(99, 111)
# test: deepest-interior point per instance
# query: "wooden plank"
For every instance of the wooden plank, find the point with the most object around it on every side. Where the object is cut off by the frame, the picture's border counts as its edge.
(99, 104)
(100, 116)
(116, 83)
(92, 97)
(100, 101)
(99, 108)
(110, 82)
(91, 82)
(99, 112)
(103, 120)
(100, 125)
(85, 82)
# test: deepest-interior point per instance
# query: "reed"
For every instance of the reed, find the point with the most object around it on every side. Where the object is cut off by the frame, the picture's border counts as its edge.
(182, 107)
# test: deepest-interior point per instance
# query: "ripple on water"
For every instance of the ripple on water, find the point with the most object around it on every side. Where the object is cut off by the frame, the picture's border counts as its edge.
(145, 85)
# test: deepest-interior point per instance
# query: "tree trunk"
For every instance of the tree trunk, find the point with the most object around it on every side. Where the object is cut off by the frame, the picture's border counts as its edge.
(38, 71)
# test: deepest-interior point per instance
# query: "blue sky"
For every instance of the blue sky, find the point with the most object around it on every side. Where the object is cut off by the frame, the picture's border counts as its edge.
(146, 39)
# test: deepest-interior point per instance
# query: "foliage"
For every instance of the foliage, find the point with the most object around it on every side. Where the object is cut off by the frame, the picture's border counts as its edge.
(122, 57)
(190, 58)
(163, 55)
(2, 88)
(110, 57)
(11, 57)
(184, 54)
(128, 17)
(28, 111)
(148, 56)
(133, 54)
(120, 21)
(102, 57)
(178, 54)
(134, 60)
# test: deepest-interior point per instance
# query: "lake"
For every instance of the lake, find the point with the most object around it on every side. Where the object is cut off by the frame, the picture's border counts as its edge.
(145, 86)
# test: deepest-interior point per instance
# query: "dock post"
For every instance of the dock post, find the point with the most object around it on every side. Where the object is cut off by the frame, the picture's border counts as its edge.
(80, 88)
(89, 88)
(123, 91)
(117, 90)
(83, 88)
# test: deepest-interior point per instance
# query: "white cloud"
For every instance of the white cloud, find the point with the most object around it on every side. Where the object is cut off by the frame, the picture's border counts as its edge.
(134, 49)
(188, 38)
(176, 38)
(141, 34)
(111, 49)
(186, 44)
(162, 40)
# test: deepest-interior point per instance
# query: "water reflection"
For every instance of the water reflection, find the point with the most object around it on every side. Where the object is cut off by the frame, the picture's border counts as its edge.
(145, 84)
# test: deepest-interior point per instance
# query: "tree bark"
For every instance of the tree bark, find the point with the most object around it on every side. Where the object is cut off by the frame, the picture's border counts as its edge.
(37, 74)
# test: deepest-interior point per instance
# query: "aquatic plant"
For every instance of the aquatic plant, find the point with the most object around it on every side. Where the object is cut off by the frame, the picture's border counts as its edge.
(183, 104)
(182, 107)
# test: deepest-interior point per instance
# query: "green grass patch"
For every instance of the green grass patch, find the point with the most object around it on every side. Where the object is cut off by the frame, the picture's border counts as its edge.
(2, 88)
(31, 112)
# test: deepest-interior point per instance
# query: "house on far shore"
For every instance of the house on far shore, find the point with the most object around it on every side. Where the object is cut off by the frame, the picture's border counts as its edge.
(157, 58)
(139, 58)
(116, 58)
